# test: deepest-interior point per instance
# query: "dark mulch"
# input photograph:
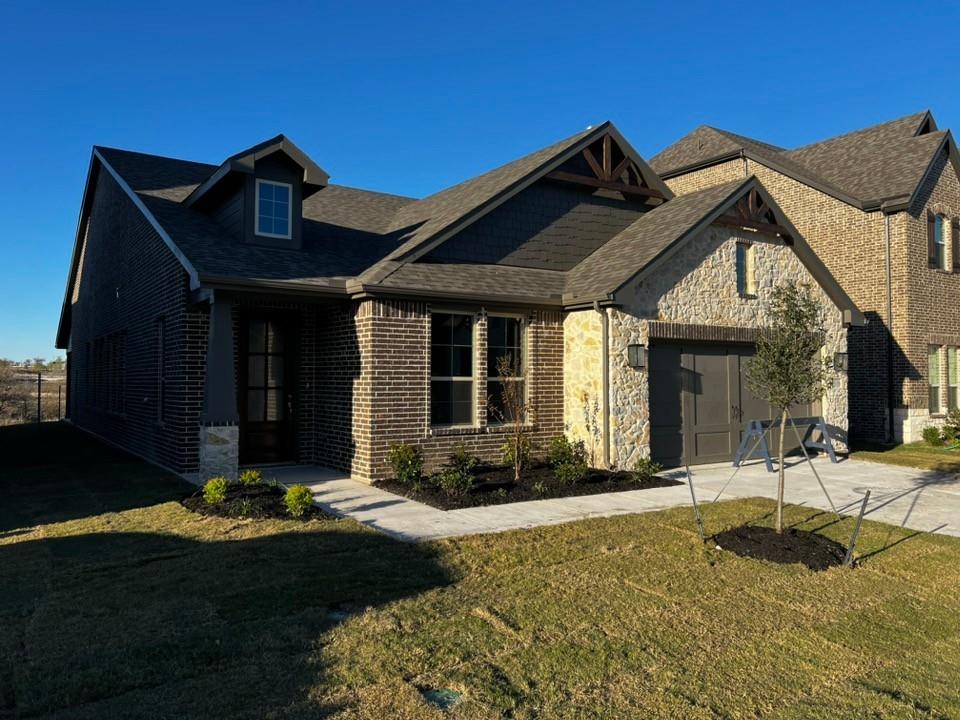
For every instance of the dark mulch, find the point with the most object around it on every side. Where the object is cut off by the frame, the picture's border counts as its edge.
(250, 501)
(494, 485)
(792, 546)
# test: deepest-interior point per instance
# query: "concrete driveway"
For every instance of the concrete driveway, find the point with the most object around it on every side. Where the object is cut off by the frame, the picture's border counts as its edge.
(905, 497)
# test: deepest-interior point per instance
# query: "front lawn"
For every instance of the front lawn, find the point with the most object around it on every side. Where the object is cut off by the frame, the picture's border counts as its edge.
(134, 607)
(918, 455)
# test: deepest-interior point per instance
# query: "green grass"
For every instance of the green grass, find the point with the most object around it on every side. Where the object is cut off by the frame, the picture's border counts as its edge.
(918, 455)
(134, 607)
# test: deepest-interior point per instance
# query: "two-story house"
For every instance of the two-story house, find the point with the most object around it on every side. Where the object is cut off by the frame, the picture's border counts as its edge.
(881, 207)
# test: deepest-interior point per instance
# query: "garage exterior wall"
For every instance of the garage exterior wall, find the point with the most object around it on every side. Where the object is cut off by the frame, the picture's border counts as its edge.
(696, 286)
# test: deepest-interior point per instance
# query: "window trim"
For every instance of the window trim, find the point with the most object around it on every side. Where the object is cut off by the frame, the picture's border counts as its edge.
(931, 351)
(472, 379)
(524, 362)
(746, 289)
(256, 210)
(940, 240)
(953, 382)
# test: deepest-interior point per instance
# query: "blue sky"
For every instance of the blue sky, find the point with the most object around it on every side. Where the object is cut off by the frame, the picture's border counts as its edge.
(409, 98)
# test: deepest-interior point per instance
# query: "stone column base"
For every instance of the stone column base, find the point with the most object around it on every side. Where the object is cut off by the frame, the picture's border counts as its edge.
(219, 452)
(908, 423)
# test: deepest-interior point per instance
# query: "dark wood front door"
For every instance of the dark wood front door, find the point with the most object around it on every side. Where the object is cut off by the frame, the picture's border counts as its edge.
(700, 403)
(267, 385)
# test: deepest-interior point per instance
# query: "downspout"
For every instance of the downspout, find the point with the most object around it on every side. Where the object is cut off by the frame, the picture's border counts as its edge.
(890, 386)
(604, 382)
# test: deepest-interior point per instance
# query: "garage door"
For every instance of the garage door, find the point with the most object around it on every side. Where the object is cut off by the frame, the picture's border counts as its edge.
(700, 403)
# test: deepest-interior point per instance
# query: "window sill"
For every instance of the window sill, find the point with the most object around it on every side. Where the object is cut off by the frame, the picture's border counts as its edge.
(748, 296)
(455, 430)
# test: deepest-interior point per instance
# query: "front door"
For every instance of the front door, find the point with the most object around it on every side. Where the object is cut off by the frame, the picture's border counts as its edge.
(266, 389)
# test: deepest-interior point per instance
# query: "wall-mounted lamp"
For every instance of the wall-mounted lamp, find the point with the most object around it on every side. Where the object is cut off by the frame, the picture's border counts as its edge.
(637, 356)
(840, 361)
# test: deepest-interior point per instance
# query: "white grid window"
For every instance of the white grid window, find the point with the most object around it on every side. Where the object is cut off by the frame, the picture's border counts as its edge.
(273, 209)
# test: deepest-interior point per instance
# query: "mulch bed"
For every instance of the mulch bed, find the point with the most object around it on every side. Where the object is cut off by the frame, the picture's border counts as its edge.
(792, 546)
(494, 485)
(261, 501)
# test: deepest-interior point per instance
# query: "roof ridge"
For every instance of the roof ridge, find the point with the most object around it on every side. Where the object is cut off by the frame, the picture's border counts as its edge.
(859, 131)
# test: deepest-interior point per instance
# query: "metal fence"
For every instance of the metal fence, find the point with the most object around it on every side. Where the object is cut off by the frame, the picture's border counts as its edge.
(36, 397)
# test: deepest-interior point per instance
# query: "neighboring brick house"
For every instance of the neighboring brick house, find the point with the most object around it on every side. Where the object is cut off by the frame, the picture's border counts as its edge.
(254, 313)
(881, 207)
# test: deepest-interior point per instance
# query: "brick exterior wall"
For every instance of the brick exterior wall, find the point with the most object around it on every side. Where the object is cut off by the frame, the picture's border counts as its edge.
(390, 393)
(128, 280)
(852, 244)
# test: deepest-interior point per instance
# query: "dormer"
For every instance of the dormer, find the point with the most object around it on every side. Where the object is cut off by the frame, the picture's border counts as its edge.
(257, 195)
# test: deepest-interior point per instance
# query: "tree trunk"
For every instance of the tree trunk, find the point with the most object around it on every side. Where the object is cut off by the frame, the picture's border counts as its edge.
(783, 432)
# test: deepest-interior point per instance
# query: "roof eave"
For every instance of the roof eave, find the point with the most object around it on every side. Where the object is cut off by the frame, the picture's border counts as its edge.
(359, 291)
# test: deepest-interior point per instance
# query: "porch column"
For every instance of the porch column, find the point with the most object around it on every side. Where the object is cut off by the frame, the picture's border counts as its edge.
(219, 422)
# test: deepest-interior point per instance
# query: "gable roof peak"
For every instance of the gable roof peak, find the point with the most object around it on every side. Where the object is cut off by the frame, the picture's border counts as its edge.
(314, 177)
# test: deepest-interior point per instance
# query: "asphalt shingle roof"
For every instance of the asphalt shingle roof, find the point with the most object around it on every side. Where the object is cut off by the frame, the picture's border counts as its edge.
(870, 165)
(639, 244)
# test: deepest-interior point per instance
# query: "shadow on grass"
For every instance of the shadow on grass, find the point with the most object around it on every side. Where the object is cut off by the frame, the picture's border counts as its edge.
(147, 625)
(53, 472)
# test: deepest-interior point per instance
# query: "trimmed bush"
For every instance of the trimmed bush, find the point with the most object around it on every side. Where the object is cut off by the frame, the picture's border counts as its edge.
(406, 461)
(251, 477)
(298, 500)
(951, 428)
(462, 460)
(215, 490)
(645, 469)
(568, 459)
(932, 436)
(453, 481)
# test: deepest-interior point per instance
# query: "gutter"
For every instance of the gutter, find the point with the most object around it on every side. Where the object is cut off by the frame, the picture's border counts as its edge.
(605, 381)
(889, 274)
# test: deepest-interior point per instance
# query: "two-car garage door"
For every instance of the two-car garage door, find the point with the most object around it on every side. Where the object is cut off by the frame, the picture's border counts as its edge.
(700, 403)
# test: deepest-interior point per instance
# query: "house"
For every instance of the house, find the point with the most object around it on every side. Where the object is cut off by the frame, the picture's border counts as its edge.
(881, 207)
(253, 312)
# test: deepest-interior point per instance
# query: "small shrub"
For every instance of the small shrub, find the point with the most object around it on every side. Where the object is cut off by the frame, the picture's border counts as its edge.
(251, 477)
(932, 436)
(462, 460)
(568, 459)
(645, 469)
(215, 491)
(539, 488)
(951, 428)
(501, 492)
(244, 508)
(406, 461)
(453, 480)
(509, 450)
(298, 500)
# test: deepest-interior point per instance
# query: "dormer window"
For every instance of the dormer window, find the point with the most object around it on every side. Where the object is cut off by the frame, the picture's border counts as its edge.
(273, 209)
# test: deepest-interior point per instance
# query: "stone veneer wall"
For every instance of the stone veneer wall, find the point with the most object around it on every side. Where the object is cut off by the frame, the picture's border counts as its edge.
(695, 286)
(582, 369)
(852, 245)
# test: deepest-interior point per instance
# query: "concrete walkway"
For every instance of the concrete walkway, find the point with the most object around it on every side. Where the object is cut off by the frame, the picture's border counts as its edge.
(910, 498)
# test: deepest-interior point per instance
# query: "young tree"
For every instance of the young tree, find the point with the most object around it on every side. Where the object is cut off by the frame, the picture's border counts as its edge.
(787, 368)
(514, 411)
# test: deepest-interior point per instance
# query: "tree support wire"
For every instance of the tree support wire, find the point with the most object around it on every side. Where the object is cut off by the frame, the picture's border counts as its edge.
(803, 447)
(744, 457)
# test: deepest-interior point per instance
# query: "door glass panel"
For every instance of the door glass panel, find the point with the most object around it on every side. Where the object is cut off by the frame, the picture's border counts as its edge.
(274, 338)
(255, 370)
(275, 376)
(255, 405)
(274, 405)
(256, 341)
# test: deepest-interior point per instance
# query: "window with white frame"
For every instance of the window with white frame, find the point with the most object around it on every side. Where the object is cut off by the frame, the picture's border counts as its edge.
(746, 275)
(504, 344)
(451, 369)
(953, 378)
(933, 375)
(273, 209)
(939, 259)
